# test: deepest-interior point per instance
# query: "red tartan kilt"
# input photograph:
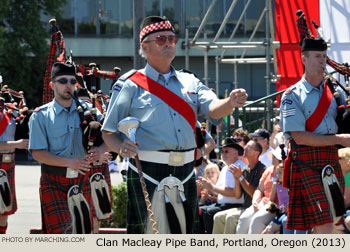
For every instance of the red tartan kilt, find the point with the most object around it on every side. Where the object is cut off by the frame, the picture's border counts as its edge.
(10, 170)
(306, 188)
(104, 169)
(54, 206)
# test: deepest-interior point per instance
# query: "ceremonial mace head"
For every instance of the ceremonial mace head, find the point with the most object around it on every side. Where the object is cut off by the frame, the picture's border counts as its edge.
(128, 127)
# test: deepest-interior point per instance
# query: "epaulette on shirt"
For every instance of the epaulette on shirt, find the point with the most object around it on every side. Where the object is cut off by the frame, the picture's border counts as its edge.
(37, 109)
(118, 86)
(186, 71)
(289, 90)
(126, 76)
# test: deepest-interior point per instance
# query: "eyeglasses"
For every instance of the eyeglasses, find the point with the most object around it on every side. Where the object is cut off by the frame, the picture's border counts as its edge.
(161, 39)
(65, 81)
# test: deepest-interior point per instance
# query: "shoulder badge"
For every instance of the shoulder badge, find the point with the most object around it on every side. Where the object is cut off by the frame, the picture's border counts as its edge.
(127, 75)
(117, 86)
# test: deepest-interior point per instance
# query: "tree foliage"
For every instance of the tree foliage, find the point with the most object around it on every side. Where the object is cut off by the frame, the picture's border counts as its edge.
(24, 44)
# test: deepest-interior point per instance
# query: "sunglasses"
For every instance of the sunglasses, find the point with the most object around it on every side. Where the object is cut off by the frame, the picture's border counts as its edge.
(161, 39)
(65, 81)
(239, 139)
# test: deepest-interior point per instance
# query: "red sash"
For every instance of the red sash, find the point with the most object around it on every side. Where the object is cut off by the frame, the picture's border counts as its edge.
(4, 122)
(174, 101)
(315, 119)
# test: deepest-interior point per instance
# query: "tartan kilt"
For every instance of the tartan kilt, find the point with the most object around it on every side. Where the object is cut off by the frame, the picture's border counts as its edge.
(56, 218)
(306, 187)
(104, 169)
(10, 170)
(136, 205)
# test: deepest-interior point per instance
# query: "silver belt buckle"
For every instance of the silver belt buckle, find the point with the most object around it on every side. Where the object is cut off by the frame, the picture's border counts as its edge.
(6, 158)
(71, 173)
(176, 158)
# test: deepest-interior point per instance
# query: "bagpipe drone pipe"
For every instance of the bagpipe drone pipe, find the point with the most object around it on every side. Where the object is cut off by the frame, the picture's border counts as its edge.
(343, 110)
(99, 173)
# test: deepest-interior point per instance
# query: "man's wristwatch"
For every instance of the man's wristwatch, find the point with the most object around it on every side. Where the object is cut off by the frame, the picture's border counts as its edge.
(241, 178)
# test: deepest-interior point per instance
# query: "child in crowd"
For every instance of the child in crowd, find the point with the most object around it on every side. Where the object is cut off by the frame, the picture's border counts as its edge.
(211, 172)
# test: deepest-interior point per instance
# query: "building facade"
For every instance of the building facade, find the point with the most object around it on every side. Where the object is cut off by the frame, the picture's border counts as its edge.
(101, 31)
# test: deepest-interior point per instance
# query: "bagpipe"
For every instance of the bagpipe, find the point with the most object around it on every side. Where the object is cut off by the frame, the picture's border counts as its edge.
(57, 52)
(343, 110)
(14, 102)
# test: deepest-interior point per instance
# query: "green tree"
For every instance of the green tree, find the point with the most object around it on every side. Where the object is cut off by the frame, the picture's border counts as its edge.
(24, 44)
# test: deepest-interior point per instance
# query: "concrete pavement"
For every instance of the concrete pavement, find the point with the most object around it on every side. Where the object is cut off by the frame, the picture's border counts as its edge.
(27, 190)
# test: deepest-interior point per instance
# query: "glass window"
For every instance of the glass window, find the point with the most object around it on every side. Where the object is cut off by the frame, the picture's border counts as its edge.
(194, 13)
(85, 15)
(66, 23)
(152, 7)
(125, 18)
(173, 11)
(116, 17)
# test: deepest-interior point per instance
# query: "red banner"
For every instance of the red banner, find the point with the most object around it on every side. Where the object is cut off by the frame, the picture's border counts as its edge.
(289, 63)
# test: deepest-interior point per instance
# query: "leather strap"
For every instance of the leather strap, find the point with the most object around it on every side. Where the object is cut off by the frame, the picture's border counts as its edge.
(316, 118)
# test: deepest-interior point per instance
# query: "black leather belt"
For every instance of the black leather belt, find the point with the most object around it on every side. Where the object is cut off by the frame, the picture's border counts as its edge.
(53, 170)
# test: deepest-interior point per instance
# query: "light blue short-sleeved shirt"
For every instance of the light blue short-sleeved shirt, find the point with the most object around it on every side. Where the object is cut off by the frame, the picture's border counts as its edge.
(9, 133)
(161, 127)
(299, 102)
(57, 129)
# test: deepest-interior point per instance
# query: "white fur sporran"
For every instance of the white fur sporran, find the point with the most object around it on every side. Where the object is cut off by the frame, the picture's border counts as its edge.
(5, 193)
(100, 196)
(80, 211)
(171, 188)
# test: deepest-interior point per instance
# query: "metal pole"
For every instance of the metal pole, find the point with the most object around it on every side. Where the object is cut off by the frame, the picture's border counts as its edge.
(255, 29)
(237, 25)
(119, 17)
(75, 11)
(235, 76)
(196, 36)
(206, 78)
(223, 24)
(161, 8)
(217, 76)
(98, 31)
(268, 62)
(138, 15)
(187, 50)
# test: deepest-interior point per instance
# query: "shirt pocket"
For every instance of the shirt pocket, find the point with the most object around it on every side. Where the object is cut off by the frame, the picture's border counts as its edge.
(192, 100)
(58, 139)
(150, 111)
